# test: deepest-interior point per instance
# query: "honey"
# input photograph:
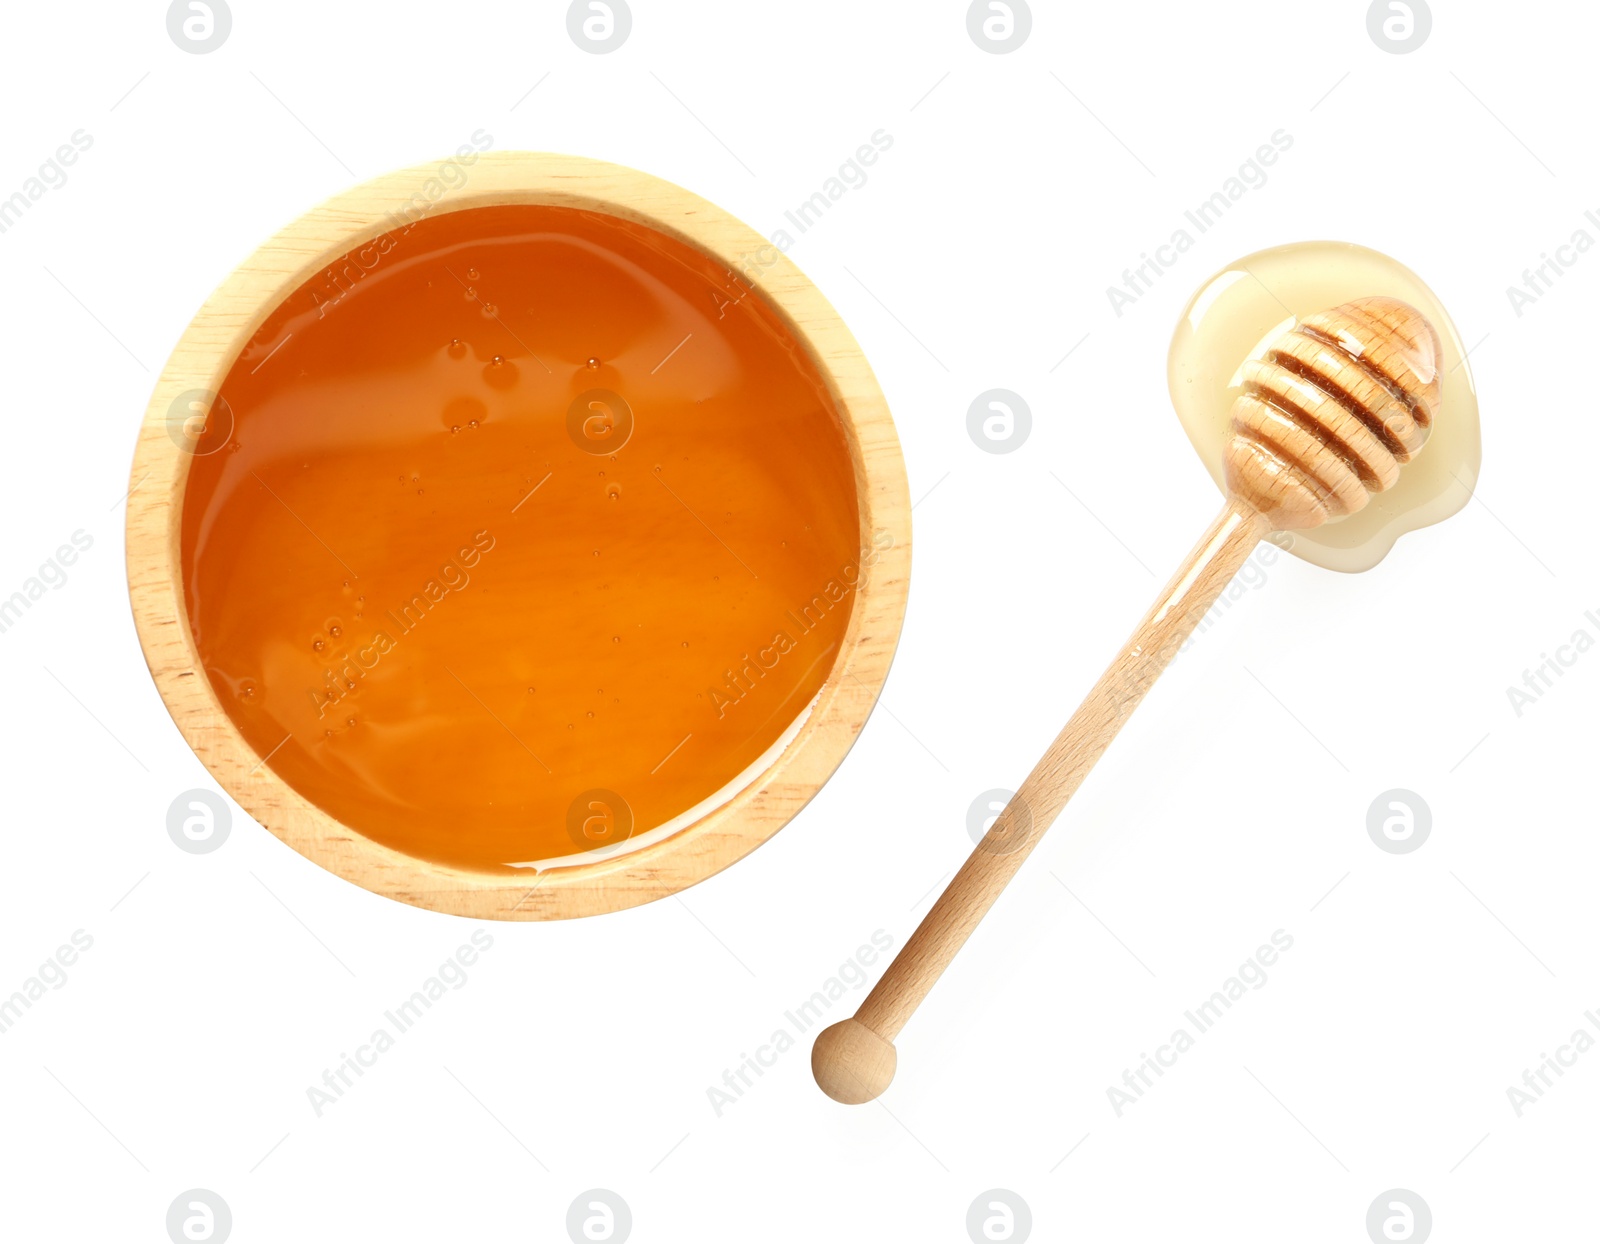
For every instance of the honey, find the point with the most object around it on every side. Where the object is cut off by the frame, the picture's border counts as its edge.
(1238, 313)
(519, 534)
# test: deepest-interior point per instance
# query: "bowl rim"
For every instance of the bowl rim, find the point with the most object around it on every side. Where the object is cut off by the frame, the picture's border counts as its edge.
(225, 325)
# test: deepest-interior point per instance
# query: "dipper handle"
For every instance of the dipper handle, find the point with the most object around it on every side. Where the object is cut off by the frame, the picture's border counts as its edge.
(853, 1061)
(1324, 418)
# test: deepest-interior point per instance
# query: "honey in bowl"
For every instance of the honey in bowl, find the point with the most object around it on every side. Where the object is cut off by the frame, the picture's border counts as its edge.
(520, 533)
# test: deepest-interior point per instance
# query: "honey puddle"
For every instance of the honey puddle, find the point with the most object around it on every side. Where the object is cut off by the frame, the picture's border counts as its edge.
(521, 533)
(1237, 314)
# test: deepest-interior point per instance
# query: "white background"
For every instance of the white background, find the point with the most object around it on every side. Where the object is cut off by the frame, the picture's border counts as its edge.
(579, 1055)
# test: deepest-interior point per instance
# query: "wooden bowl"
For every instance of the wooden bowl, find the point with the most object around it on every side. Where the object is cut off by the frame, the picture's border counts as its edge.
(226, 325)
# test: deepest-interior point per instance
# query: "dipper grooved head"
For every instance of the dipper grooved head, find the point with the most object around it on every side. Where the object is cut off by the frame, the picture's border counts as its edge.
(1332, 411)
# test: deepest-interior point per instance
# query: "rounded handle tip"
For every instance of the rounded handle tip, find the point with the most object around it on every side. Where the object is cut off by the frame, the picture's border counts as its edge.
(852, 1064)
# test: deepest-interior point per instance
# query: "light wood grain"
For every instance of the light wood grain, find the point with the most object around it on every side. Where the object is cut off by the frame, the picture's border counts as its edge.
(1333, 410)
(226, 323)
(1324, 420)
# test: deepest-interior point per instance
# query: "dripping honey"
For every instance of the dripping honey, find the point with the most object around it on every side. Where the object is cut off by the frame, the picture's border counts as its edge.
(518, 533)
(1241, 311)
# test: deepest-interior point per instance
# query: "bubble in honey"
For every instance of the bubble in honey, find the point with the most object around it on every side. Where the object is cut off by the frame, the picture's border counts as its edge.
(593, 364)
(472, 274)
(613, 492)
(319, 644)
(469, 293)
(500, 373)
(457, 349)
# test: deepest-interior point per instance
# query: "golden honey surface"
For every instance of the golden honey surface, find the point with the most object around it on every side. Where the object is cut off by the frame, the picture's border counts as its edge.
(519, 532)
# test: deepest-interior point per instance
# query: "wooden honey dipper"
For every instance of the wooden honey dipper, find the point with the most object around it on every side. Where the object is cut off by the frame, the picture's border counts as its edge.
(1324, 419)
